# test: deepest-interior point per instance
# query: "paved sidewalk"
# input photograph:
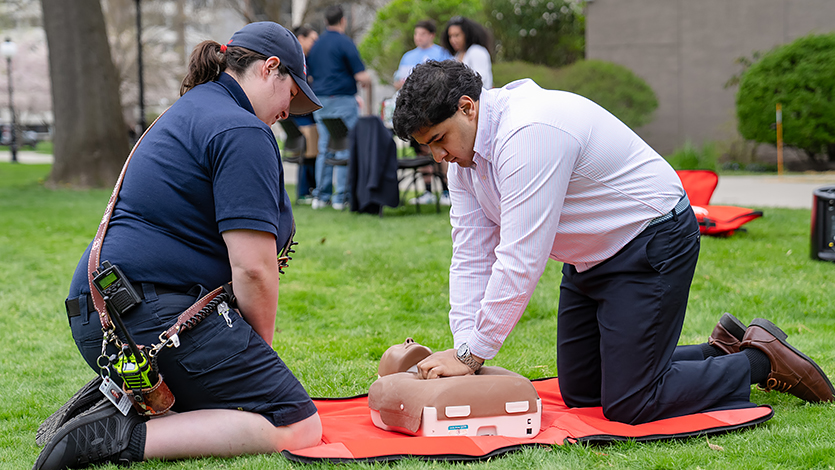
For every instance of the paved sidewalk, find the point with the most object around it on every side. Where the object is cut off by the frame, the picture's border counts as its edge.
(793, 191)
(26, 156)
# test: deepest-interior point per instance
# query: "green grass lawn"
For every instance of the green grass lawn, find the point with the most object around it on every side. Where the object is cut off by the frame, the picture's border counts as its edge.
(359, 284)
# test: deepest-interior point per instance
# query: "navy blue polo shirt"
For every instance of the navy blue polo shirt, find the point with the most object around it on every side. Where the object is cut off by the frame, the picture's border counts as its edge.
(332, 62)
(207, 166)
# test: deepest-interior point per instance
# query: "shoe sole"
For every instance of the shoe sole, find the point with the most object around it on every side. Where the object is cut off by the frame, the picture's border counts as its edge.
(87, 417)
(65, 429)
(781, 336)
(733, 326)
(81, 401)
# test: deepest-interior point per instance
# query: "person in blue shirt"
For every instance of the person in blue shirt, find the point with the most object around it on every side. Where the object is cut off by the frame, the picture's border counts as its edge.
(426, 50)
(202, 204)
(335, 66)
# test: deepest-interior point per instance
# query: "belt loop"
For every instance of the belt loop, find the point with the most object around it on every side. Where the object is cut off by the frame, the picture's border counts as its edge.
(675, 214)
(83, 309)
(197, 291)
(149, 292)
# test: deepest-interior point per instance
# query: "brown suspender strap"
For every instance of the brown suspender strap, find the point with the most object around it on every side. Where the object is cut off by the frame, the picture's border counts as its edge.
(95, 260)
(171, 333)
(95, 257)
(95, 252)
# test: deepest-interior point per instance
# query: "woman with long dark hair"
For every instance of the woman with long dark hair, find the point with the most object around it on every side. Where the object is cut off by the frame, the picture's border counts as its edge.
(470, 43)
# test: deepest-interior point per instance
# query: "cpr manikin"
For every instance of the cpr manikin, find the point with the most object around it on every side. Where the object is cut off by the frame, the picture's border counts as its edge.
(493, 402)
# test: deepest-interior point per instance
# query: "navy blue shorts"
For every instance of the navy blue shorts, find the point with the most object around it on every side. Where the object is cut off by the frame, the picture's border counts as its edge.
(215, 367)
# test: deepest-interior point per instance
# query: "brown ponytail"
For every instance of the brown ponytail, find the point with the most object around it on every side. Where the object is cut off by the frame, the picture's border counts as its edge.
(205, 64)
(208, 61)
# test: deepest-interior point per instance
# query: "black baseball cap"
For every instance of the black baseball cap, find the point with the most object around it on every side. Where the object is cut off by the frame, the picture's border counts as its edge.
(272, 39)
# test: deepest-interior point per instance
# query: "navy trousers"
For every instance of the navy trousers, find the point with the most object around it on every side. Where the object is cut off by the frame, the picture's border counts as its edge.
(618, 326)
(217, 366)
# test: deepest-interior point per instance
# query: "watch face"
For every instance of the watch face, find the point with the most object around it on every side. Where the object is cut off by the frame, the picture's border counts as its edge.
(463, 350)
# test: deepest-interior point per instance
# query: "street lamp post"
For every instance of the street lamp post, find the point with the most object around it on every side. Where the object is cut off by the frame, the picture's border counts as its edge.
(8, 49)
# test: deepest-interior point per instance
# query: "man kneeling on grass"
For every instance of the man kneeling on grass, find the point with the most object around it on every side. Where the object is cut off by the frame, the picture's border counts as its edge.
(548, 174)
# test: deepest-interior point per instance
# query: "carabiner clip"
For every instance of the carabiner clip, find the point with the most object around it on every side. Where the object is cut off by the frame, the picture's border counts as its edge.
(172, 342)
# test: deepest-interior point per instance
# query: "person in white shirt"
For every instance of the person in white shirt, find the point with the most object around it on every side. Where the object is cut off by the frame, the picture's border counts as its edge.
(469, 42)
(537, 174)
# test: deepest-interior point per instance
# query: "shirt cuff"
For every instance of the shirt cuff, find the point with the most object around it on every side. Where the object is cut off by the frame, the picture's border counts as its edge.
(479, 345)
(246, 224)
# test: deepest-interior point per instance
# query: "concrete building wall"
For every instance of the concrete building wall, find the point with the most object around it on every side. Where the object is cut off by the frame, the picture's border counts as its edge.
(686, 50)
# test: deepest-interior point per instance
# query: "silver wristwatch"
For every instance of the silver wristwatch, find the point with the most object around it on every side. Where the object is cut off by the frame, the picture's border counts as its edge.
(464, 356)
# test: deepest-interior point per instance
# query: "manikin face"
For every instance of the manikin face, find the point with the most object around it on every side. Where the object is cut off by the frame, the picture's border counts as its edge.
(274, 93)
(452, 140)
(456, 38)
(423, 38)
(402, 357)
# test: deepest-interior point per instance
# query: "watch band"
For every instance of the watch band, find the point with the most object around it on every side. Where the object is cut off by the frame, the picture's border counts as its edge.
(468, 360)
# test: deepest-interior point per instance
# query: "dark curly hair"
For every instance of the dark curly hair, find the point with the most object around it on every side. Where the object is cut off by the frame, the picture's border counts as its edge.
(474, 33)
(430, 95)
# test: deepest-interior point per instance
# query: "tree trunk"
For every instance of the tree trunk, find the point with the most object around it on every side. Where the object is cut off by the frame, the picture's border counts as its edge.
(90, 138)
(260, 10)
(180, 29)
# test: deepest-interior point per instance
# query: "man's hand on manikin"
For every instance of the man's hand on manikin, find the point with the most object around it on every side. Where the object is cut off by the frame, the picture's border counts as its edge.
(443, 364)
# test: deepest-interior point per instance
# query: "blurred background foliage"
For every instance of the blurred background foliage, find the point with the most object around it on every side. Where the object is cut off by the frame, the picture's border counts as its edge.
(391, 34)
(542, 40)
(549, 32)
(534, 31)
(799, 76)
(612, 86)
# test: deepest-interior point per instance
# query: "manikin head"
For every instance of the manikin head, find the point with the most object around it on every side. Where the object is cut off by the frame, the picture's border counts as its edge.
(402, 357)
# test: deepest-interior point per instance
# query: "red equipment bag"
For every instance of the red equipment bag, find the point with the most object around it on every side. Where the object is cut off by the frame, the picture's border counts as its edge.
(713, 220)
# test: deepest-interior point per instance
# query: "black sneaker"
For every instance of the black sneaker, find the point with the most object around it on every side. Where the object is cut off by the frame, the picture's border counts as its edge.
(82, 401)
(99, 435)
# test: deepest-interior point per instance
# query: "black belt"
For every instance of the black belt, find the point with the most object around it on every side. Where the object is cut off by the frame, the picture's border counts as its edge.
(682, 205)
(74, 306)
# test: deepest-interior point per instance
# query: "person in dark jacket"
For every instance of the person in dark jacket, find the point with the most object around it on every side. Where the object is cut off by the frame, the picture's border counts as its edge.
(336, 68)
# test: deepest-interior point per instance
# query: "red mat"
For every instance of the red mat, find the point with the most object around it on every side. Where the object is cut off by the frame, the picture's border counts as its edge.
(349, 434)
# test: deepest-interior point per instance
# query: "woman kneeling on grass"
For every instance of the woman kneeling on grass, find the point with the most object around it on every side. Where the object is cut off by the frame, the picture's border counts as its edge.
(203, 203)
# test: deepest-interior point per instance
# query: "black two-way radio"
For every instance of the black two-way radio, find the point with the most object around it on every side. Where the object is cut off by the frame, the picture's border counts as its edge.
(133, 365)
(118, 293)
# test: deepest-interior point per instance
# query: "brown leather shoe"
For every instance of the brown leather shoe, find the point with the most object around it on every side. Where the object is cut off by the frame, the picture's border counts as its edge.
(791, 371)
(727, 334)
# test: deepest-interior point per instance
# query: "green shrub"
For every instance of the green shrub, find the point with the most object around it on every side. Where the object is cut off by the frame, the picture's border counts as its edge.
(798, 75)
(506, 72)
(557, 40)
(689, 157)
(392, 33)
(612, 86)
(549, 32)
